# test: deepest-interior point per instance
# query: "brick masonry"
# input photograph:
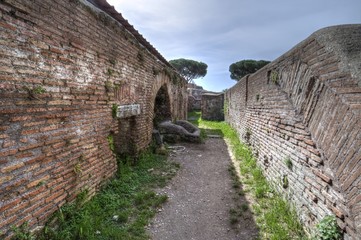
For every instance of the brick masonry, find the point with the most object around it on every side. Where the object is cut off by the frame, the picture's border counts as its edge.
(63, 64)
(305, 108)
(212, 106)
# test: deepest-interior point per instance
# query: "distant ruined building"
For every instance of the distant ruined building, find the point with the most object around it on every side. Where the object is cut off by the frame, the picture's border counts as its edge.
(194, 97)
(209, 103)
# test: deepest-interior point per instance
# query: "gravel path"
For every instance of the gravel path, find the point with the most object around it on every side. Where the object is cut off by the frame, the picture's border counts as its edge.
(200, 198)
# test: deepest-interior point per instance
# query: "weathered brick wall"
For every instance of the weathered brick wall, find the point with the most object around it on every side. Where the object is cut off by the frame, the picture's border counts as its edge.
(54, 144)
(305, 108)
(212, 106)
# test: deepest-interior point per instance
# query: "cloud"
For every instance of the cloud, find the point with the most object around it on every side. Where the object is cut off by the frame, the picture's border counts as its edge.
(222, 32)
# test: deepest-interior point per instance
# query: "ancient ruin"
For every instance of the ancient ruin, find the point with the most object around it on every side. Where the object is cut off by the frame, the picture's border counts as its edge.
(76, 77)
(305, 109)
(213, 106)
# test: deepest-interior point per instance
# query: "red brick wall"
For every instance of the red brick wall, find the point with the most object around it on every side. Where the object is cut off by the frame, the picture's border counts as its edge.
(306, 107)
(54, 145)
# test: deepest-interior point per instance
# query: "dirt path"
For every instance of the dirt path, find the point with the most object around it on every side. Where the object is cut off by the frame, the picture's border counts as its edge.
(201, 197)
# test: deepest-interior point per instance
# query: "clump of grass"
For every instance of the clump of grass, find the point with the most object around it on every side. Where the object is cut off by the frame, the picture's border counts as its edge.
(114, 110)
(275, 217)
(233, 219)
(244, 207)
(22, 232)
(194, 117)
(122, 209)
(289, 163)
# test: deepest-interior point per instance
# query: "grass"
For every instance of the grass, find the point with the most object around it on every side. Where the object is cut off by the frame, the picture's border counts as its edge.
(121, 210)
(274, 216)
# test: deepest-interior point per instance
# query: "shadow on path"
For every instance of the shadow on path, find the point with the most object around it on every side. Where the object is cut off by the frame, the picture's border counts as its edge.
(204, 202)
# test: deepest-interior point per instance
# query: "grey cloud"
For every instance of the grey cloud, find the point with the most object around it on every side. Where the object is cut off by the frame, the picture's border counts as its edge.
(222, 32)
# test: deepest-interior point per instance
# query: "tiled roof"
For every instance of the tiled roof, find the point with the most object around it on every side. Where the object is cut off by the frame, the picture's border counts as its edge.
(107, 8)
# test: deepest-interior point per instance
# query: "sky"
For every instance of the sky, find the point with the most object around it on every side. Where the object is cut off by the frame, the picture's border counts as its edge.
(221, 32)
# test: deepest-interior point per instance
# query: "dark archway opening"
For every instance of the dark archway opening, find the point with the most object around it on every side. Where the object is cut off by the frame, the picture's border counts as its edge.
(162, 110)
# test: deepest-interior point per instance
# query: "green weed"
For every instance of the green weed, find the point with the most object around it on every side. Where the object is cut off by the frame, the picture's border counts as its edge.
(114, 110)
(110, 139)
(121, 209)
(328, 229)
(274, 216)
(22, 232)
(289, 163)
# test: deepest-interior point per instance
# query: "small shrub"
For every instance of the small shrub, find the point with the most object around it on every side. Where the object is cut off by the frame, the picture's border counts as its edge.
(327, 229)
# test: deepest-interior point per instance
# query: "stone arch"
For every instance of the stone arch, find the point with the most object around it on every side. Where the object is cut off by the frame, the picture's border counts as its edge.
(161, 109)
(162, 91)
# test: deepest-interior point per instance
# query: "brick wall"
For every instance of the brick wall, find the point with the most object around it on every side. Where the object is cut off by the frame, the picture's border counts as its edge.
(304, 108)
(212, 106)
(63, 64)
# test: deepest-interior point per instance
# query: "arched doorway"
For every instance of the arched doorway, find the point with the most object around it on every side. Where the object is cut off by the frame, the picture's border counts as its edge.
(162, 110)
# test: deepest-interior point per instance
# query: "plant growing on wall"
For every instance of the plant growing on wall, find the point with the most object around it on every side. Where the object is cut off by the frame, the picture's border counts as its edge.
(108, 86)
(33, 92)
(77, 169)
(289, 163)
(110, 139)
(140, 56)
(274, 77)
(327, 229)
(114, 110)
(155, 71)
(113, 62)
(110, 72)
(247, 135)
(285, 181)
